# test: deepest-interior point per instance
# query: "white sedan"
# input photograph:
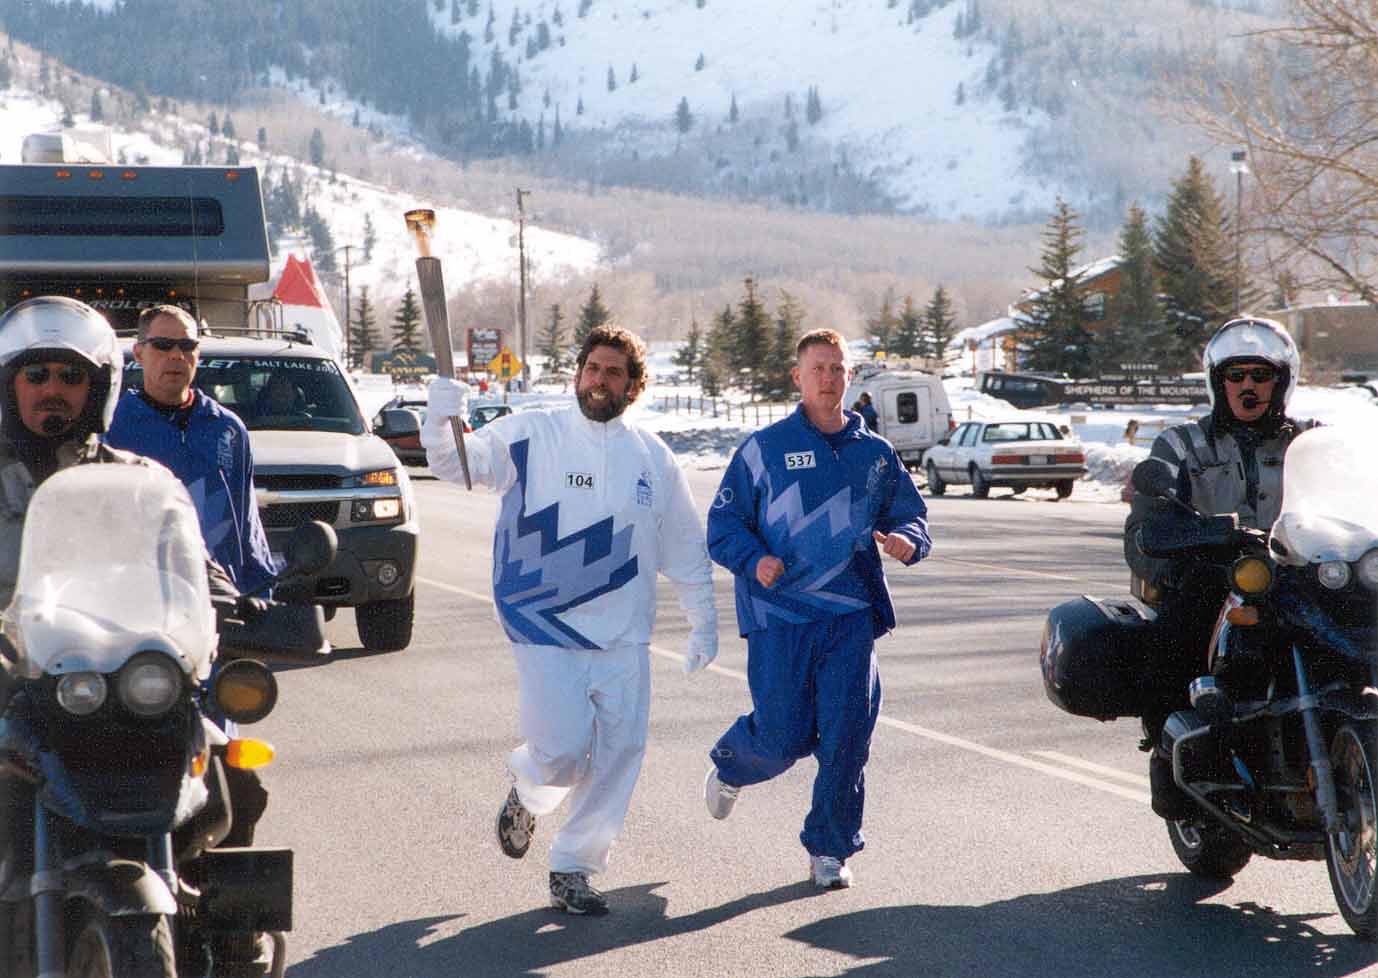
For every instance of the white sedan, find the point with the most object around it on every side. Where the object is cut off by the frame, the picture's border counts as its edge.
(1017, 454)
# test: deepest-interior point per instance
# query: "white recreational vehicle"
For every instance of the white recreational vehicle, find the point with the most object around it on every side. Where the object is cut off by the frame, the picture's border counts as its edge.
(912, 407)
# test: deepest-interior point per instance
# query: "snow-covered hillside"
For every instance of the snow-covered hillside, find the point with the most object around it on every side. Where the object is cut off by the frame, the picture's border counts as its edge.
(887, 87)
(475, 248)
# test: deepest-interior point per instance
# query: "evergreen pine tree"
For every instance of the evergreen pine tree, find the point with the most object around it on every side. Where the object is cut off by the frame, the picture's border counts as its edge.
(1054, 334)
(715, 365)
(939, 324)
(684, 119)
(591, 315)
(406, 324)
(1194, 258)
(97, 110)
(213, 124)
(691, 352)
(634, 75)
(751, 346)
(732, 114)
(579, 106)
(68, 120)
(370, 237)
(612, 79)
(262, 138)
(813, 107)
(698, 65)
(231, 155)
(227, 127)
(551, 344)
(1134, 320)
(789, 320)
(6, 73)
(909, 333)
(317, 148)
(361, 335)
(881, 329)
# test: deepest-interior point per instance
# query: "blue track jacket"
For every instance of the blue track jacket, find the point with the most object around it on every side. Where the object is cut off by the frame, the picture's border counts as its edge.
(211, 456)
(787, 493)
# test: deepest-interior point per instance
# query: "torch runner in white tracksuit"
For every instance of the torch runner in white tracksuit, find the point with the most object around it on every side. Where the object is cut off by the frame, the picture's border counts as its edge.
(592, 508)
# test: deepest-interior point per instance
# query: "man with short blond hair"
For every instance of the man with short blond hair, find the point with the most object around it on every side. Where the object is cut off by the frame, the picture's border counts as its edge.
(802, 515)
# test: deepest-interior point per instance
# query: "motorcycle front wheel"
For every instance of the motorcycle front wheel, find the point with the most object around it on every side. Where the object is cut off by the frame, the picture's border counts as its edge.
(1208, 850)
(122, 947)
(1351, 855)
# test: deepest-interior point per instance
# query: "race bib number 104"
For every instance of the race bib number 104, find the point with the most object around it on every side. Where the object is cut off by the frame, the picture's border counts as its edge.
(578, 480)
(799, 460)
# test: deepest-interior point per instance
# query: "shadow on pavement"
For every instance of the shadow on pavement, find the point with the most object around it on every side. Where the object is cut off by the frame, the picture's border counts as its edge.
(1142, 925)
(526, 944)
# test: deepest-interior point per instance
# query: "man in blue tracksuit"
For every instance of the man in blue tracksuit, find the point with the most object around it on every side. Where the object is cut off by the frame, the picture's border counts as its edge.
(204, 444)
(803, 512)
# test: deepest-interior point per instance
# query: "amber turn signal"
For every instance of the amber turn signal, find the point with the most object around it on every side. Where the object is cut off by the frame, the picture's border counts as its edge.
(246, 755)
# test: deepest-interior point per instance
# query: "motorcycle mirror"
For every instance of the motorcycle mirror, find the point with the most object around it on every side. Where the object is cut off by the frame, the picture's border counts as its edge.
(1153, 477)
(310, 548)
(246, 690)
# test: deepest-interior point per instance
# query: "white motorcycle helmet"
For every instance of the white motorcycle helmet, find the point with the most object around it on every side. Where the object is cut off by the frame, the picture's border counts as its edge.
(57, 328)
(1252, 339)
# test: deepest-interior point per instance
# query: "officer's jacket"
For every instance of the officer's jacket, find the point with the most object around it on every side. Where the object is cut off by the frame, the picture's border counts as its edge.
(1218, 472)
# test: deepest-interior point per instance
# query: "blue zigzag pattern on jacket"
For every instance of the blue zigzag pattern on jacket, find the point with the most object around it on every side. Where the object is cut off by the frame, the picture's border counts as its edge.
(537, 575)
(810, 532)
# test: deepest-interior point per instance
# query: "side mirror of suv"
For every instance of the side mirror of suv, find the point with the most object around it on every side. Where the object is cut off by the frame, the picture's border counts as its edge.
(397, 423)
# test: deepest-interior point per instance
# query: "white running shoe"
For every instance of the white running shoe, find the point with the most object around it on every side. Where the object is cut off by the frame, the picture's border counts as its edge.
(717, 796)
(829, 873)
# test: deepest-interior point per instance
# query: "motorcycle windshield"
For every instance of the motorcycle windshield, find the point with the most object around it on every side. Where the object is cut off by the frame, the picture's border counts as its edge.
(112, 562)
(1329, 496)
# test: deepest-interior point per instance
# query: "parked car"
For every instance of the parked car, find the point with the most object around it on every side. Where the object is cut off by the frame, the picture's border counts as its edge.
(1015, 453)
(481, 414)
(1022, 390)
(911, 406)
(399, 421)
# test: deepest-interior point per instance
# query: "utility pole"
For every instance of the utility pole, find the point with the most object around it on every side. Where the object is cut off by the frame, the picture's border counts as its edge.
(521, 297)
(1239, 167)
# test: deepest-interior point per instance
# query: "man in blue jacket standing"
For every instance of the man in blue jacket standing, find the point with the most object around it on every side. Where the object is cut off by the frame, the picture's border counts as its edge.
(205, 445)
(803, 513)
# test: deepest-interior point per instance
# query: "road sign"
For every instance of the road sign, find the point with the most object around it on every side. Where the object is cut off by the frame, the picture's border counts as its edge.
(505, 365)
(484, 345)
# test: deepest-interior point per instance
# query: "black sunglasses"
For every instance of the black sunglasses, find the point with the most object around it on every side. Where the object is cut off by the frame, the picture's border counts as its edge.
(1259, 375)
(164, 344)
(71, 375)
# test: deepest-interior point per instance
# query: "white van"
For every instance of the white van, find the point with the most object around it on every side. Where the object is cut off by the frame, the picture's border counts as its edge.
(912, 407)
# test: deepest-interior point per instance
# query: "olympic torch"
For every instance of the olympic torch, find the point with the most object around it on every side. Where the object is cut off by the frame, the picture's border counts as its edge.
(421, 224)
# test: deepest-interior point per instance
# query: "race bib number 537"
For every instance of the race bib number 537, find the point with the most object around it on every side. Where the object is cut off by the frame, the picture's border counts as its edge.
(799, 460)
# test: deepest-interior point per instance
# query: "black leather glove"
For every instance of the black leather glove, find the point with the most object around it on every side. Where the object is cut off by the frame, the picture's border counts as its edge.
(248, 608)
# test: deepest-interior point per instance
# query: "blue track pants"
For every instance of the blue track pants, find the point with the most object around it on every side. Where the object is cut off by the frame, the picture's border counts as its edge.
(815, 689)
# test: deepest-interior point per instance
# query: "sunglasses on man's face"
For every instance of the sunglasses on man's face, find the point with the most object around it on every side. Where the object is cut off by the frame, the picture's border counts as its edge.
(164, 344)
(1259, 375)
(71, 375)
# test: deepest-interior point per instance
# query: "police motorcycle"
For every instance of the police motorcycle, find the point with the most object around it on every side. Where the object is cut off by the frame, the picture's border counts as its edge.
(112, 771)
(1279, 750)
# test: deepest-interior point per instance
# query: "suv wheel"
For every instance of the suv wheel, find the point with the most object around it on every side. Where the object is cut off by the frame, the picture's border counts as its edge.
(385, 626)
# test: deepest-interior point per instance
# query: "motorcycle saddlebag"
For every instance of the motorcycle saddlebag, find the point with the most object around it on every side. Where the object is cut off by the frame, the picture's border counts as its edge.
(1096, 655)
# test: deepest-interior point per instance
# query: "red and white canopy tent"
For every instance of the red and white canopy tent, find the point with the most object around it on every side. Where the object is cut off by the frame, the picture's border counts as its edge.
(304, 305)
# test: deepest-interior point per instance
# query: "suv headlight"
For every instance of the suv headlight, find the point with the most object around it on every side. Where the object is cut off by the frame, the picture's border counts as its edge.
(81, 693)
(149, 684)
(1368, 570)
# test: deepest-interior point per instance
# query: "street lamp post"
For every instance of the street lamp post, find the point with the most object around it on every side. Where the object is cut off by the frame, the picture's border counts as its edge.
(1238, 166)
(348, 299)
(521, 296)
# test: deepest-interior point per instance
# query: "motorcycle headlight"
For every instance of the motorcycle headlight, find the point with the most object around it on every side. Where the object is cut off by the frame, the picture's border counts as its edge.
(81, 693)
(149, 684)
(1333, 574)
(1368, 570)
(1251, 575)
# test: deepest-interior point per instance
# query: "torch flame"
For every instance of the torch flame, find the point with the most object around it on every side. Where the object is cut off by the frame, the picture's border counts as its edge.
(421, 223)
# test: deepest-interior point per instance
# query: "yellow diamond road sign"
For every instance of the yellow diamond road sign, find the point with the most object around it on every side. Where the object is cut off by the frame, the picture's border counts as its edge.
(505, 365)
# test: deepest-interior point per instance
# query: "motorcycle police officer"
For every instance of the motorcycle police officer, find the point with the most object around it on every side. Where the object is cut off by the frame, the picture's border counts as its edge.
(1227, 462)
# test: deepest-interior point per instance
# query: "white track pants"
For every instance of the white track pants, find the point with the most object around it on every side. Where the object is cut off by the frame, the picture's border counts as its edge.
(584, 716)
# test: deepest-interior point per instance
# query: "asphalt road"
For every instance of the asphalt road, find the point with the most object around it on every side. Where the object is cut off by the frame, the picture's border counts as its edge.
(1004, 838)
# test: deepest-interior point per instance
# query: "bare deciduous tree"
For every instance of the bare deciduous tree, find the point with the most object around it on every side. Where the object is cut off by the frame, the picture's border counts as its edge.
(1306, 109)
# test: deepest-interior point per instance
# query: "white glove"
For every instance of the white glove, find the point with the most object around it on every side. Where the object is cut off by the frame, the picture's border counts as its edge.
(703, 649)
(447, 398)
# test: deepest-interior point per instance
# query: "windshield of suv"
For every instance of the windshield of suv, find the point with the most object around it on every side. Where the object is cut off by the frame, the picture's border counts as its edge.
(279, 392)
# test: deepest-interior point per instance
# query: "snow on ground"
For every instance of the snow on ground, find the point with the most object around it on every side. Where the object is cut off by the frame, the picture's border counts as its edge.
(704, 441)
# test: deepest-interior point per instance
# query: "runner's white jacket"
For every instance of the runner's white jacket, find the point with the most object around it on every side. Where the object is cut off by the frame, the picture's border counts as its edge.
(590, 512)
